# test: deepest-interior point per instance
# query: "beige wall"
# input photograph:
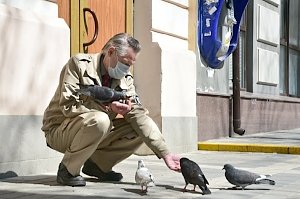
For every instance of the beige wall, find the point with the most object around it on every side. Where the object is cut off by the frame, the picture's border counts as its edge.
(165, 71)
(32, 52)
(33, 49)
(41, 7)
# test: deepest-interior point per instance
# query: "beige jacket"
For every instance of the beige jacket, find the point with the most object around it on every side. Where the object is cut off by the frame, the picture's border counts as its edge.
(87, 69)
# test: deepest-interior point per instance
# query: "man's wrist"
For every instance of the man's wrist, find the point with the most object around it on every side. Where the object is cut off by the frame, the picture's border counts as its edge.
(163, 154)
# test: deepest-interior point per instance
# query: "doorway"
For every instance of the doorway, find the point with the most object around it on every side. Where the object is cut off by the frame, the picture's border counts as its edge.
(93, 22)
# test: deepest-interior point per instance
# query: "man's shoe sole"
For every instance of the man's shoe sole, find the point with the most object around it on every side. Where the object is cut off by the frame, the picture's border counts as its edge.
(71, 183)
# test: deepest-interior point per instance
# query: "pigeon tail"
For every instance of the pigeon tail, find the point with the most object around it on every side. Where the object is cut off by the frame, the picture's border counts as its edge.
(205, 190)
(265, 181)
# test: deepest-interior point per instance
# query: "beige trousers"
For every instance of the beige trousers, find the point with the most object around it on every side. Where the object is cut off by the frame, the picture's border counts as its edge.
(93, 135)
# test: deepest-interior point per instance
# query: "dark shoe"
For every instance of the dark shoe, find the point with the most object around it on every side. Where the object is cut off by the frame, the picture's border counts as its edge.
(91, 169)
(65, 178)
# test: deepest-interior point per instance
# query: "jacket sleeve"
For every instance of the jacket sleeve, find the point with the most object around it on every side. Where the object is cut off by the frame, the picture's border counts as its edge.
(144, 125)
(130, 91)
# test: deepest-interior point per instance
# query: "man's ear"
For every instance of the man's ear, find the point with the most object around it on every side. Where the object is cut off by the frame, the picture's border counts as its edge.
(111, 50)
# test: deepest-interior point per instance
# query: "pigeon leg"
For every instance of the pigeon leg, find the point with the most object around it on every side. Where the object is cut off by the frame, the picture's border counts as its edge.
(194, 188)
(202, 189)
(184, 189)
(144, 190)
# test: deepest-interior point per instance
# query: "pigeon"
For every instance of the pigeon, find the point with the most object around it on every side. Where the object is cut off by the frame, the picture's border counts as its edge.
(144, 177)
(101, 93)
(192, 174)
(242, 178)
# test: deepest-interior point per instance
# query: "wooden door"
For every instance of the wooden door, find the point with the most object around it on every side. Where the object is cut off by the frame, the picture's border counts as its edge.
(113, 16)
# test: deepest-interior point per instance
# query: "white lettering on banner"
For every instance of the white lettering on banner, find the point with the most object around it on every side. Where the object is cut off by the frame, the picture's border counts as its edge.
(208, 2)
(212, 10)
(207, 34)
(207, 22)
(209, 8)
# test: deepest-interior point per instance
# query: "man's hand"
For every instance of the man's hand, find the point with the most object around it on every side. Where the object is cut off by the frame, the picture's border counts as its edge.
(121, 108)
(172, 161)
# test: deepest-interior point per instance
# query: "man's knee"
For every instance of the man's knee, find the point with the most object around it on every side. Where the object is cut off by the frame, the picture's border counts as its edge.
(96, 122)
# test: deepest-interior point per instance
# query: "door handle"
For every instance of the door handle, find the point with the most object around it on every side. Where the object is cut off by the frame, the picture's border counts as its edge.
(85, 45)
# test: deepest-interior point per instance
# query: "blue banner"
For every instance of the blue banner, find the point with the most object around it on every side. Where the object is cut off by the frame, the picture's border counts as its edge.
(214, 49)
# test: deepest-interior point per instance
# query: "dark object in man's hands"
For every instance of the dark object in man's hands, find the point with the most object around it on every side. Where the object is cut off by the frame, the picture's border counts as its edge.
(101, 93)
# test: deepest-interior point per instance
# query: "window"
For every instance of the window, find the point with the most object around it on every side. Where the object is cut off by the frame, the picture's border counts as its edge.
(290, 48)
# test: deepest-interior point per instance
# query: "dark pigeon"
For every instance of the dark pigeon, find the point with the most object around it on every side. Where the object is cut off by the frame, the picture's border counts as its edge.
(101, 93)
(242, 178)
(192, 174)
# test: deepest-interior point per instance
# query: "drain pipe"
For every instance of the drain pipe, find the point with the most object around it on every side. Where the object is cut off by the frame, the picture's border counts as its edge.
(236, 93)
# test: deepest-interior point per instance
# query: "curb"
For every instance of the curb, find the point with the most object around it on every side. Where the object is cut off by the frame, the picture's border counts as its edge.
(248, 147)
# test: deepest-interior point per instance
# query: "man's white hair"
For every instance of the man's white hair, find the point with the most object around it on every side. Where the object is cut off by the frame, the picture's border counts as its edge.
(122, 42)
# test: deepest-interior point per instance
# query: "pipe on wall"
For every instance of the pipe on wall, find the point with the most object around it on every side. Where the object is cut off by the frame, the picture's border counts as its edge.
(236, 93)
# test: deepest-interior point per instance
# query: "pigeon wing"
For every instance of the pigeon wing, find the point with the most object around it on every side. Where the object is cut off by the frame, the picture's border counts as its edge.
(240, 177)
(196, 174)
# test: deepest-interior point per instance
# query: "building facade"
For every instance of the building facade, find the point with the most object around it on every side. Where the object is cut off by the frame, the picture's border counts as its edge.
(269, 66)
(187, 100)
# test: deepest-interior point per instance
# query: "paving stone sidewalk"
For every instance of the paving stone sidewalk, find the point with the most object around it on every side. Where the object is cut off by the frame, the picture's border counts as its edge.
(285, 170)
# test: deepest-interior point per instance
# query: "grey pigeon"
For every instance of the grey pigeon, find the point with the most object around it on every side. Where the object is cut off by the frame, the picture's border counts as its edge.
(192, 174)
(242, 178)
(101, 93)
(143, 176)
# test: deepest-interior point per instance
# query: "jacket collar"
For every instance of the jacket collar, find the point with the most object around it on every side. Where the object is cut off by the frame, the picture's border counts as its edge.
(93, 70)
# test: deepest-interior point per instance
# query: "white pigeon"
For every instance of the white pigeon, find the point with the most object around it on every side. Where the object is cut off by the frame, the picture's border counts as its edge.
(143, 176)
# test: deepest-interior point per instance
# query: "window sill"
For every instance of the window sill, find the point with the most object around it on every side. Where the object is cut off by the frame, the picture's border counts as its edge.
(257, 96)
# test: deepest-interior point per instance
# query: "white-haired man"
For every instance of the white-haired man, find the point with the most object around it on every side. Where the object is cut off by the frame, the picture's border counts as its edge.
(88, 131)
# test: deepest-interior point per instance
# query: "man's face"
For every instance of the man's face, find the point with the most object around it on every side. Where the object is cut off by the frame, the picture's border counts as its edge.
(127, 59)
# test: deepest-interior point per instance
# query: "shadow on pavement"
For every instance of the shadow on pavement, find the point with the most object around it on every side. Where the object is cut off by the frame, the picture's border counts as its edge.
(180, 189)
(91, 179)
(16, 194)
(170, 187)
(245, 189)
(136, 191)
(50, 180)
(37, 179)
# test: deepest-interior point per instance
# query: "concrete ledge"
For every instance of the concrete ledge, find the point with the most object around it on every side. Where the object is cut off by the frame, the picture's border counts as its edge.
(248, 147)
